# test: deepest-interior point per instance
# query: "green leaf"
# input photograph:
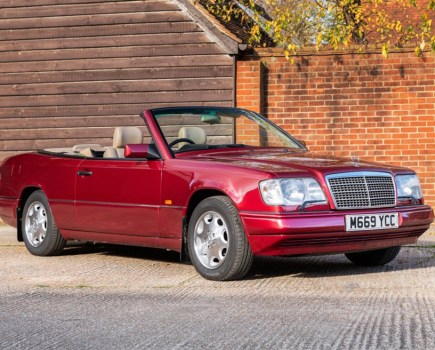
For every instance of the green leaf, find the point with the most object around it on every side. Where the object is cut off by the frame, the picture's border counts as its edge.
(385, 50)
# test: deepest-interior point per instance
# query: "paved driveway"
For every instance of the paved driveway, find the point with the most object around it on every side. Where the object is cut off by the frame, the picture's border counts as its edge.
(106, 297)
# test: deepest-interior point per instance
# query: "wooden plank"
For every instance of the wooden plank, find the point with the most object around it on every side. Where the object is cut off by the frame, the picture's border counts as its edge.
(21, 3)
(67, 133)
(114, 74)
(114, 63)
(188, 120)
(210, 130)
(68, 122)
(106, 41)
(57, 133)
(100, 30)
(87, 9)
(11, 147)
(111, 52)
(28, 145)
(100, 132)
(220, 140)
(91, 20)
(78, 122)
(59, 111)
(118, 86)
(113, 98)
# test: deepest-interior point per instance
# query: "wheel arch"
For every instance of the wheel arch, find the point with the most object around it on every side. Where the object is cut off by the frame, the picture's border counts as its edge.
(196, 198)
(25, 194)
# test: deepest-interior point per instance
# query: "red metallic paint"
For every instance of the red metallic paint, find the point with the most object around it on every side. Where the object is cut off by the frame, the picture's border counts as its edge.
(144, 202)
(154, 130)
(119, 197)
(54, 175)
(140, 151)
(8, 207)
(269, 231)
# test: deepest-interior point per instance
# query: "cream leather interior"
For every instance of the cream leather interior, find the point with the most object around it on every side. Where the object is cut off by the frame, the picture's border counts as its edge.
(123, 136)
(194, 133)
(87, 152)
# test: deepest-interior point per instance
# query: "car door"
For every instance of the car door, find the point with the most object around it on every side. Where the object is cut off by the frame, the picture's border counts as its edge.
(118, 196)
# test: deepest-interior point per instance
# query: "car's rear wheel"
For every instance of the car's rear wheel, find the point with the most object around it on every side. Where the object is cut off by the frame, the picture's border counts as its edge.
(217, 244)
(40, 233)
(374, 257)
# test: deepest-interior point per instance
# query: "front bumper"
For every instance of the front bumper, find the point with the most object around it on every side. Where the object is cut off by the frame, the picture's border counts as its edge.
(303, 233)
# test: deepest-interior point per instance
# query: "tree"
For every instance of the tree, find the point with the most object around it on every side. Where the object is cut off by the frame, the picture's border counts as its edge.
(296, 24)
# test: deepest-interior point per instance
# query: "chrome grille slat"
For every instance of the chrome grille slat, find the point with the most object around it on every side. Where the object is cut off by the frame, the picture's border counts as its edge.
(362, 190)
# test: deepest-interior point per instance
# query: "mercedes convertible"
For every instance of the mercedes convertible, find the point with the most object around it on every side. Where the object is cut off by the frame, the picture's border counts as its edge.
(218, 185)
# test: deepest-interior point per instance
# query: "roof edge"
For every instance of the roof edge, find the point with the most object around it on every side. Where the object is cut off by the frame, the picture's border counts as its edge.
(229, 45)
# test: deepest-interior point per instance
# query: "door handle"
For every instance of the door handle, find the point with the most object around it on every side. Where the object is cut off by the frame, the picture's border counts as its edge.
(84, 173)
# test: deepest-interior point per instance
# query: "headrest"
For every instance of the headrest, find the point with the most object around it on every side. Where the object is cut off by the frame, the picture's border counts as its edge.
(196, 134)
(125, 135)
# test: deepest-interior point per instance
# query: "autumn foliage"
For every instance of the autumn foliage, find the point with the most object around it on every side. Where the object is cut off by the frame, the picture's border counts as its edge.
(296, 24)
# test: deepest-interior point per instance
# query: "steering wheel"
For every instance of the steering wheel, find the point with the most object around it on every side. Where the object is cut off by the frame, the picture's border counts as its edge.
(184, 139)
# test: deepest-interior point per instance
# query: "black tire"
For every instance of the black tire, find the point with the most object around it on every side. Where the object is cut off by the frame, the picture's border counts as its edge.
(223, 252)
(374, 257)
(40, 233)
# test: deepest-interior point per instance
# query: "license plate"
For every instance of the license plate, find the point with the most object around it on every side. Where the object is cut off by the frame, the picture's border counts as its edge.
(372, 222)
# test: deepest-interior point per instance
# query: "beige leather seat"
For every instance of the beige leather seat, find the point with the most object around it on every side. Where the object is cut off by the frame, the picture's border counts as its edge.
(123, 136)
(194, 133)
(88, 150)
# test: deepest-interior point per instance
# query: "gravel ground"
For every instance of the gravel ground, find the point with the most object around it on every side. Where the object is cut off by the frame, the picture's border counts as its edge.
(110, 297)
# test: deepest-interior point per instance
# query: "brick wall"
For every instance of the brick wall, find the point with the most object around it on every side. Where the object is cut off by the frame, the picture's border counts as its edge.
(342, 104)
(250, 85)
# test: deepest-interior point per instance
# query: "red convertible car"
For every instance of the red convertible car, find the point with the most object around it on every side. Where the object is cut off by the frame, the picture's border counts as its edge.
(220, 186)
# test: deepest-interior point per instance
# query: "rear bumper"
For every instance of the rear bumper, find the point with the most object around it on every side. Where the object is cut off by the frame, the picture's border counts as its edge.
(8, 210)
(325, 232)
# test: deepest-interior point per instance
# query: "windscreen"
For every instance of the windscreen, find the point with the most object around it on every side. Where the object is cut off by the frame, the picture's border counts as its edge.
(188, 129)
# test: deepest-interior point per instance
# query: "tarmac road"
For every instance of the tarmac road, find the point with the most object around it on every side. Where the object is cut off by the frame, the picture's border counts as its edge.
(107, 297)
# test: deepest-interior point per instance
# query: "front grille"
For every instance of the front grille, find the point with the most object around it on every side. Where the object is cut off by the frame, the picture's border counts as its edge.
(362, 190)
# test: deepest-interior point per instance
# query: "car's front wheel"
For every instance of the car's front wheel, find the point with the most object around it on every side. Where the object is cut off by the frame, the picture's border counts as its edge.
(40, 233)
(374, 257)
(217, 244)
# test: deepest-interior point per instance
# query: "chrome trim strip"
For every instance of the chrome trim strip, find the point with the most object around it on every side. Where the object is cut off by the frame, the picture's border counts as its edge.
(359, 173)
(117, 204)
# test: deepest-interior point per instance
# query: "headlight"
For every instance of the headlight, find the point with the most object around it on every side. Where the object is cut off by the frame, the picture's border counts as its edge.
(291, 191)
(408, 186)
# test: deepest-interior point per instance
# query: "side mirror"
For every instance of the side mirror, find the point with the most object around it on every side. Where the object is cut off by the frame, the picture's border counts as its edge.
(146, 151)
